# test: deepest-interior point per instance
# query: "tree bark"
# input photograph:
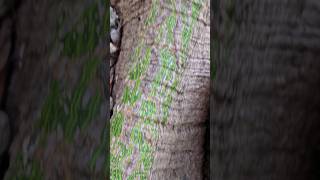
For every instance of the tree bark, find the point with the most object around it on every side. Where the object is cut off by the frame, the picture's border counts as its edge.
(265, 110)
(177, 139)
(56, 100)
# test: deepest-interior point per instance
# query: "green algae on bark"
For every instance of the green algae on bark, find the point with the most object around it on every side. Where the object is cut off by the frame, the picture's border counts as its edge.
(170, 24)
(130, 96)
(84, 36)
(74, 101)
(141, 67)
(75, 114)
(117, 124)
(24, 171)
(152, 107)
(154, 11)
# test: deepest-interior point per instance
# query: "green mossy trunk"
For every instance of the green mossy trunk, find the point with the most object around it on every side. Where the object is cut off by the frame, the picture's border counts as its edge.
(56, 98)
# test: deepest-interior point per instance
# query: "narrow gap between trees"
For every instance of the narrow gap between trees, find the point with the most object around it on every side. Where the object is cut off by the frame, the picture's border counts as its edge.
(115, 42)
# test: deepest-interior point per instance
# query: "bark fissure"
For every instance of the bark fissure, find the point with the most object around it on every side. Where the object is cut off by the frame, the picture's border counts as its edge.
(115, 26)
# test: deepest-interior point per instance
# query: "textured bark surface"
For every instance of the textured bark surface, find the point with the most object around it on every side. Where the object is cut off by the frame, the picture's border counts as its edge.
(265, 111)
(178, 148)
(56, 101)
(5, 46)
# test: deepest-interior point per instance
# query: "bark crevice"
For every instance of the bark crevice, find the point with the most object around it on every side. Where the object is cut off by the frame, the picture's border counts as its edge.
(115, 44)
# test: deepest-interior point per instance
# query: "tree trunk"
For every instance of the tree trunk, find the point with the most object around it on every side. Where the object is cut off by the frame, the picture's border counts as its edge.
(162, 86)
(56, 102)
(265, 110)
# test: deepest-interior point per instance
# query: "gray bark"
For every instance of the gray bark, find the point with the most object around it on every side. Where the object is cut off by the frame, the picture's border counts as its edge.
(180, 151)
(40, 56)
(265, 96)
